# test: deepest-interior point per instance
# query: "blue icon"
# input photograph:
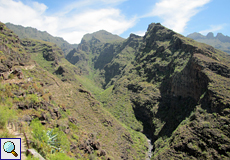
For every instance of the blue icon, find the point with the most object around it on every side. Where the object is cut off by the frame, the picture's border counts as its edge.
(9, 147)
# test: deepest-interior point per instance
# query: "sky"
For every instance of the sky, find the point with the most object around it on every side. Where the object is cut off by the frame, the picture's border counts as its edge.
(72, 19)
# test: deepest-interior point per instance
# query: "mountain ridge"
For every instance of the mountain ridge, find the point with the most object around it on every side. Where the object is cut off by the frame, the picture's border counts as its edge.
(33, 33)
(103, 36)
(173, 89)
(43, 91)
(164, 80)
(219, 41)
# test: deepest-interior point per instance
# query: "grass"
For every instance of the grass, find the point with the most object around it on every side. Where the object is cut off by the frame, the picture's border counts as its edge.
(89, 84)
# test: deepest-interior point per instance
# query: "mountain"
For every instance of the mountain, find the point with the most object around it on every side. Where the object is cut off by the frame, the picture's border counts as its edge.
(42, 92)
(164, 86)
(33, 33)
(169, 87)
(102, 36)
(219, 42)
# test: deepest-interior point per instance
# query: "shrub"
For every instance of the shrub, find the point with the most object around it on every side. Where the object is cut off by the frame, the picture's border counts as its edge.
(11, 76)
(6, 115)
(38, 131)
(32, 98)
(48, 142)
(62, 140)
(40, 138)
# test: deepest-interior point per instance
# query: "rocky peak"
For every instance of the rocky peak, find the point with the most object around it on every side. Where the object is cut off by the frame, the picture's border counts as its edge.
(196, 35)
(223, 38)
(157, 32)
(210, 35)
(102, 36)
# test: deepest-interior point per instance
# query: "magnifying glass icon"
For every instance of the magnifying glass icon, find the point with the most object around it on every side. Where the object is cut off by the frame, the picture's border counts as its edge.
(9, 147)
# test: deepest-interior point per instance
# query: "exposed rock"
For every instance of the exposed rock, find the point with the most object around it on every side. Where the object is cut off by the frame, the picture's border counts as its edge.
(67, 130)
(43, 117)
(101, 153)
(85, 91)
(53, 115)
(89, 145)
(73, 146)
(210, 35)
(60, 71)
(73, 120)
(27, 118)
(107, 123)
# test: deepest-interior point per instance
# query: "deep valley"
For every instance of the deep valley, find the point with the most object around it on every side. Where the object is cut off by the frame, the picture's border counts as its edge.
(107, 97)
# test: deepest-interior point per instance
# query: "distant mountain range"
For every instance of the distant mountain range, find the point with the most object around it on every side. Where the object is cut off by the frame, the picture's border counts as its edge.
(220, 42)
(29, 32)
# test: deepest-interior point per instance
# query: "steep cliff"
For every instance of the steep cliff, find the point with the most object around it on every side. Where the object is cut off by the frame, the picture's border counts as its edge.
(179, 90)
(169, 87)
(173, 89)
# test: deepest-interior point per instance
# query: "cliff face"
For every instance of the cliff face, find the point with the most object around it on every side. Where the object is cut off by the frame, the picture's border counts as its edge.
(171, 88)
(179, 90)
(192, 89)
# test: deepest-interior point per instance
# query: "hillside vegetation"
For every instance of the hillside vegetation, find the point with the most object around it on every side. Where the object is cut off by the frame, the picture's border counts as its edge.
(63, 120)
(172, 88)
(109, 93)
(33, 33)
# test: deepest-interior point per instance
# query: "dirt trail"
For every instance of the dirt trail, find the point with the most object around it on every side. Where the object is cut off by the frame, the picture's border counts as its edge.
(12, 130)
(16, 80)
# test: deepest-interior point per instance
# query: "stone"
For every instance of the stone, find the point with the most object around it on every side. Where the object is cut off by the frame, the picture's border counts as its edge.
(102, 153)
(73, 120)
(35, 154)
(67, 130)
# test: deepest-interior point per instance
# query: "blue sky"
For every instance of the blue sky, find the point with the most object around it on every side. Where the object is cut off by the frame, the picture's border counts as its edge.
(71, 19)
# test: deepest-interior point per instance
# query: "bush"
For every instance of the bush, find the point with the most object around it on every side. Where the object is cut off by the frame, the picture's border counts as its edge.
(33, 98)
(40, 139)
(48, 142)
(6, 115)
(38, 131)
(11, 76)
(62, 140)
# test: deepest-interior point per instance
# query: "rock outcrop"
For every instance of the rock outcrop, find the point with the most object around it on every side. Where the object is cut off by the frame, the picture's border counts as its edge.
(178, 88)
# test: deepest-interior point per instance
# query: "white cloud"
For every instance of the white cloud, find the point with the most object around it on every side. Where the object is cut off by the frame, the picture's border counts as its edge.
(140, 33)
(18, 13)
(94, 20)
(176, 13)
(213, 28)
(69, 23)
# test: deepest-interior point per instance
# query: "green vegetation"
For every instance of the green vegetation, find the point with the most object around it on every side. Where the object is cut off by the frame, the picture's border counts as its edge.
(150, 88)
(28, 32)
(171, 88)
(58, 156)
